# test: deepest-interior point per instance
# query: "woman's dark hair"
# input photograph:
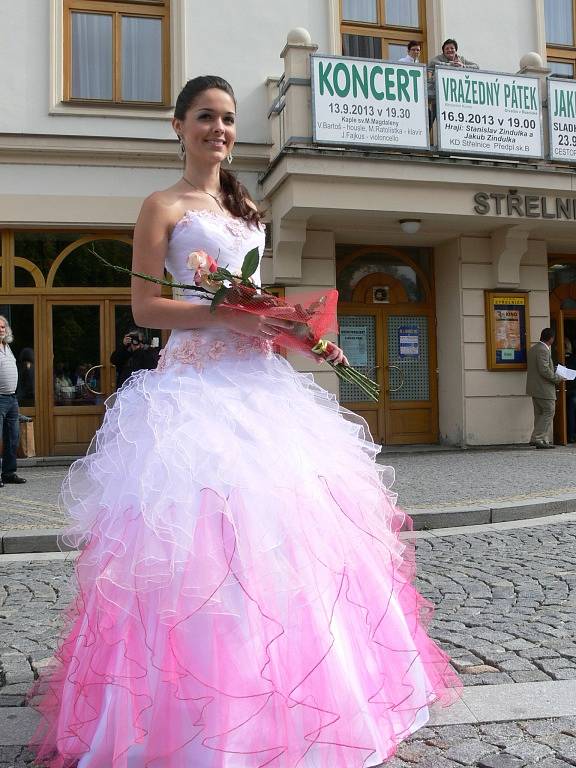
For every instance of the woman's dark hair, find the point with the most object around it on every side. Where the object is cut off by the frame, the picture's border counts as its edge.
(450, 41)
(414, 44)
(234, 192)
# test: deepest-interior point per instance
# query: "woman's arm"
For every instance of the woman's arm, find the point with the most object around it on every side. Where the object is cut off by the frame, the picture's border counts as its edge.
(150, 309)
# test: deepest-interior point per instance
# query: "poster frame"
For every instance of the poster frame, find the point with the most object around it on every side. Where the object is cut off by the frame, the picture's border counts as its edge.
(361, 145)
(490, 297)
(487, 155)
(550, 154)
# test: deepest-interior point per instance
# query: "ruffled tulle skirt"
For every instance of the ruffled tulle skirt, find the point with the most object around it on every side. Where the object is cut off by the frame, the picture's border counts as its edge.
(244, 599)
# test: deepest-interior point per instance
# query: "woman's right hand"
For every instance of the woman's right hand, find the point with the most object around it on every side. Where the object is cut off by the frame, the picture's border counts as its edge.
(252, 325)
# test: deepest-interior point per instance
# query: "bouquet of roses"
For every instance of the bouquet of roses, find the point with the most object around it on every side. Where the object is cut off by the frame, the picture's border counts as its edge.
(237, 290)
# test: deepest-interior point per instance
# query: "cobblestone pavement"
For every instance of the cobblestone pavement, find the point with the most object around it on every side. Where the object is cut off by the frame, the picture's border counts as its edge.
(462, 478)
(526, 744)
(505, 610)
(34, 505)
(505, 602)
(423, 481)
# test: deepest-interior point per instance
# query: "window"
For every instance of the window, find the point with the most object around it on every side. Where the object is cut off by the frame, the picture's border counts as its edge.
(560, 36)
(381, 29)
(117, 52)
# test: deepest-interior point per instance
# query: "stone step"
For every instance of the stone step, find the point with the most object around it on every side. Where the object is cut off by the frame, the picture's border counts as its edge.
(478, 704)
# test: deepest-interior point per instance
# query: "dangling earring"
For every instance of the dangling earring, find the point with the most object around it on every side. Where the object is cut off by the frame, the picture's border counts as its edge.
(230, 159)
(181, 148)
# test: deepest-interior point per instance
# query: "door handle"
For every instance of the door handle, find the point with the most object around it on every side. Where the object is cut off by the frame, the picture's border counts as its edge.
(94, 367)
(397, 367)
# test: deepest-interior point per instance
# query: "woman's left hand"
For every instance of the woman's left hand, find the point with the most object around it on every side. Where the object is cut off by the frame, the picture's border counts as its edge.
(335, 354)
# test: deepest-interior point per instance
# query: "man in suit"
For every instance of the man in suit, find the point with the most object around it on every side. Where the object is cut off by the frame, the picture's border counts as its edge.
(541, 386)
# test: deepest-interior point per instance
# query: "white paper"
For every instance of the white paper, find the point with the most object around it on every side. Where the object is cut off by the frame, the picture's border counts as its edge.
(566, 373)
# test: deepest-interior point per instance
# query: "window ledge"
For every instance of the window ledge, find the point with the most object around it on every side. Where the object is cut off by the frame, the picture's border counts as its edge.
(86, 110)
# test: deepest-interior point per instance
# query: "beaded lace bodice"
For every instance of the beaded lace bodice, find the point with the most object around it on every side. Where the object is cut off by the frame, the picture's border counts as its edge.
(226, 239)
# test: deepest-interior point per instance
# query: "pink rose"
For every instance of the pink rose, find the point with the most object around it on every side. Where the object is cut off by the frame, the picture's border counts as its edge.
(202, 265)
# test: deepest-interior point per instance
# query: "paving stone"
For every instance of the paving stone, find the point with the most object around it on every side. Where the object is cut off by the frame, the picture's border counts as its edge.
(501, 760)
(550, 665)
(535, 676)
(501, 733)
(478, 669)
(434, 761)
(529, 750)
(563, 745)
(395, 762)
(564, 674)
(469, 751)
(515, 665)
(538, 653)
(540, 727)
(567, 725)
(413, 751)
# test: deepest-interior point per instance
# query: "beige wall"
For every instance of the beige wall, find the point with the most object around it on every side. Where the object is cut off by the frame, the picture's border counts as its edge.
(318, 274)
(496, 46)
(492, 406)
(449, 333)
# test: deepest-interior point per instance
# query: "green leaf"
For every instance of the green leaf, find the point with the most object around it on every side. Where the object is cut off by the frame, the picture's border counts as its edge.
(219, 297)
(250, 263)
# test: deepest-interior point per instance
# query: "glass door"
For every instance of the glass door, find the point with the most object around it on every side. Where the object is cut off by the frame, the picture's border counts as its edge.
(359, 338)
(83, 337)
(411, 410)
(398, 351)
(75, 374)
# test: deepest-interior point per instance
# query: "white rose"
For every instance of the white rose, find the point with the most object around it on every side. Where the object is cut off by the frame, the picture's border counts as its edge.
(197, 261)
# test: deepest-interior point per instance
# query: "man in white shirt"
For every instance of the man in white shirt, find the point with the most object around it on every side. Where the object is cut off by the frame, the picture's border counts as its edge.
(8, 406)
(414, 51)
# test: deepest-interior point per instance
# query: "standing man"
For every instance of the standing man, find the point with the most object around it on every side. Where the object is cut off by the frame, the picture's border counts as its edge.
(414, 51)
(541, 386)
(8, 406)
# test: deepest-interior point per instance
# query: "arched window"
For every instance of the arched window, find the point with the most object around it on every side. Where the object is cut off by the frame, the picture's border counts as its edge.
(78, 267)
(378, 277)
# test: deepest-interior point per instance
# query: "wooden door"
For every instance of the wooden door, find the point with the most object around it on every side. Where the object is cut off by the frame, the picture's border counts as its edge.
(398, 350)
(410, 397)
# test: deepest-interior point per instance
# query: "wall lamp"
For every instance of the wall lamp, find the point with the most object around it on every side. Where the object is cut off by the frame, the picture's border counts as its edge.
(410, 226)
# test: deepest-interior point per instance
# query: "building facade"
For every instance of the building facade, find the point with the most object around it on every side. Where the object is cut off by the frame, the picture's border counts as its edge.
(414, 239)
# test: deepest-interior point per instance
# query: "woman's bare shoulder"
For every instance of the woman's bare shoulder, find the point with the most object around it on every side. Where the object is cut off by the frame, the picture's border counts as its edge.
(165, 207)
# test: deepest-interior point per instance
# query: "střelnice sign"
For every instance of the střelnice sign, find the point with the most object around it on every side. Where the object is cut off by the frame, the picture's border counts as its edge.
(369, 103)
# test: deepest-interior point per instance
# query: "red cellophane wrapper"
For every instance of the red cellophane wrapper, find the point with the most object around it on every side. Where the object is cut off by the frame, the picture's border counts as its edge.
(313, 314)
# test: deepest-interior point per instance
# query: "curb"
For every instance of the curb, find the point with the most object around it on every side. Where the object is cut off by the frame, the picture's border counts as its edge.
(499, 512)
(47, 539)
(47, 461)
(31, 541)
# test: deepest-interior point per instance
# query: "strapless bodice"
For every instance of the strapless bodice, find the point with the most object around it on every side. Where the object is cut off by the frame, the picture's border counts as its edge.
(226, 239)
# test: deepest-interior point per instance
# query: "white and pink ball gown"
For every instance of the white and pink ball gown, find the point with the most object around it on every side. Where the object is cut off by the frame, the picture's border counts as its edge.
(244, 599)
